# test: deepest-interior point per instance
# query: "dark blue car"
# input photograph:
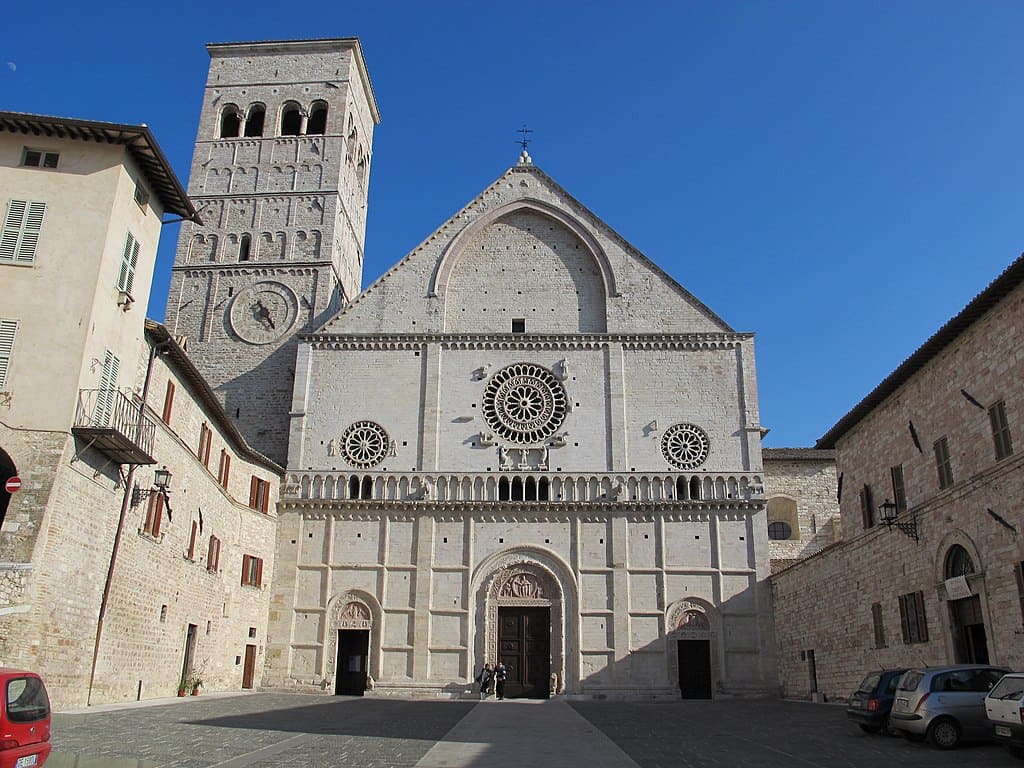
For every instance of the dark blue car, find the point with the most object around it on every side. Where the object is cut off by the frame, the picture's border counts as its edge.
(871, 703)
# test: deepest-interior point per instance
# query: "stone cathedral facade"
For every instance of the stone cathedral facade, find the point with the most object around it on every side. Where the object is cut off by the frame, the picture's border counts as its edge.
(525, 442)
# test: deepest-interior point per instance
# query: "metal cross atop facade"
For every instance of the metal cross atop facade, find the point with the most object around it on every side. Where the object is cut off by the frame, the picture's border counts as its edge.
(526, 136)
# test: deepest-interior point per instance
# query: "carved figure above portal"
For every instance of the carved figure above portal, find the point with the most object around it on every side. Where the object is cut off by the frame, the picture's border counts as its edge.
(694, 620)
(355, 612)
(524, 403)
(685, 446)
(365, 444)
(522, 585)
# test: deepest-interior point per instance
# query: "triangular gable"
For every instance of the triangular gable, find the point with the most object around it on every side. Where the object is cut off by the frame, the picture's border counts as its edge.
(639, 296)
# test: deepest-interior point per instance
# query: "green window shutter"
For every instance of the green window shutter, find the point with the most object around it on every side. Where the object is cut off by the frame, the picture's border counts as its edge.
(129, 258)
(8, 330)
(22, 223)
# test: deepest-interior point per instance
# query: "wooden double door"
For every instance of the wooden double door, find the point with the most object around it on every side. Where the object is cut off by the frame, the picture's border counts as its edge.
(524, 647)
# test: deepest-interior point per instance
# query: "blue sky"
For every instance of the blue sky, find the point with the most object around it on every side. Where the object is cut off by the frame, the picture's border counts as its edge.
(838, 177)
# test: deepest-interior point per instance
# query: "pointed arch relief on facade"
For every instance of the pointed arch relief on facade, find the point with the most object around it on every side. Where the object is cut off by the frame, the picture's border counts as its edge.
(528, 578)
(358, 610)
(446, 264)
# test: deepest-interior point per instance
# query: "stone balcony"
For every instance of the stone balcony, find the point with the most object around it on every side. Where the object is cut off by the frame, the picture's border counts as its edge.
(562, 487)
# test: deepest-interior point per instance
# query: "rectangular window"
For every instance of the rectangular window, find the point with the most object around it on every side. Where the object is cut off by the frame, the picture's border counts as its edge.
(168, 403)
(252, 571)
(867, 507)
(22, 224)
(8, 330)
(259, 494)
(192, 541)
(519, 325)
(141, 195)
(129, 260)
(213, 555)
(899, 492)
(154, 514)
(912, 618)
(37, 158)
(107, 389)
(1000, 430)
(205, 437)
(224, 470)
(942, 464)
(876, 621)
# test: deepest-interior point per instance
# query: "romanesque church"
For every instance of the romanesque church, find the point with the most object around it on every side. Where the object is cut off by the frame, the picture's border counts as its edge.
(525, 442)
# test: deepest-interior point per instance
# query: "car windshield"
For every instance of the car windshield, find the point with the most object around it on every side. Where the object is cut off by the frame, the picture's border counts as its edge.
(26, 700)
(869, 683)
(910, 680)
(1011, 688)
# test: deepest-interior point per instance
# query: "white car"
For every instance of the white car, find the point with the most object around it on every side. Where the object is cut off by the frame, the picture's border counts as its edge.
(1004, 708)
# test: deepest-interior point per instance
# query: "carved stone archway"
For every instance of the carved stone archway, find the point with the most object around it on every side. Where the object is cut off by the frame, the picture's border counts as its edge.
(354, 609)
(693, 619)
(524, 579)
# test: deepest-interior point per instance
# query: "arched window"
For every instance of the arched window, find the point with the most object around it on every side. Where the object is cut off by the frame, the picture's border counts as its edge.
(291, 119)
(254, 122)
(958, 562)
(353, 487)
(244, 246)
(366, 492)
(230, 122)
(542, 489)
(779, 531)
(503, 489)
(695, 488)
(517, 489)
(317, 118)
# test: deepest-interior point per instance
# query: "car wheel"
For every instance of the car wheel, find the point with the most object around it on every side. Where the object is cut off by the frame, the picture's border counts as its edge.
(944, 733)
(868, 728)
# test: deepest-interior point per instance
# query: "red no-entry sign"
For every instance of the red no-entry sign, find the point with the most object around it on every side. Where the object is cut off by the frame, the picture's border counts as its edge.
(12, 484)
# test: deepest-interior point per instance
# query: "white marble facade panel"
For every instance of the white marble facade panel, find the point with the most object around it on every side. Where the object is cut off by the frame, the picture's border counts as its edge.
(356, 542)
(448, 590)
(596, 632)
(401, 542)
(309, 586)
(643, 541)
(644, 594)
(397, 628)
(308, 627)
(398, 589)
(595, 544)
(688, 544)
(596, 591)
(313, 541)
(736, 543)
(447, 630)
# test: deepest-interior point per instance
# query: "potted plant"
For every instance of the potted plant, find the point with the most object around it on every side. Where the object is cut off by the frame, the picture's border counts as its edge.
(183, 684)
(195, 683)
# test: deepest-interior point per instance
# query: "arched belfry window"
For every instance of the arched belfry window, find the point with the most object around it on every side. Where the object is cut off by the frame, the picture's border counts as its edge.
(254, 121)
(244, 248)
(958, 562)
(317, 123)
(230, 122)
(291, 119)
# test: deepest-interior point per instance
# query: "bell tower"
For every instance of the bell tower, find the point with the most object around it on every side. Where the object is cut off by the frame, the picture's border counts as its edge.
(280, 175)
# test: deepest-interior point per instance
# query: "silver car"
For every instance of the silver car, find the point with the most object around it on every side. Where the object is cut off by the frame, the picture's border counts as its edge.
(944, 704)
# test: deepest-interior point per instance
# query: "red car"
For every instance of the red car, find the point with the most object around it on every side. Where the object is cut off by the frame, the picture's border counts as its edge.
(24, 720)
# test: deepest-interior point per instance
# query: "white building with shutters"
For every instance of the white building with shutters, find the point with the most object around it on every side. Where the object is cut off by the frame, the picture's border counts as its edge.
(108, 588)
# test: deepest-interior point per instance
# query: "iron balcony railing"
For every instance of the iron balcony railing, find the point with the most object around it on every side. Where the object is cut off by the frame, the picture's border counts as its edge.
(116, 424)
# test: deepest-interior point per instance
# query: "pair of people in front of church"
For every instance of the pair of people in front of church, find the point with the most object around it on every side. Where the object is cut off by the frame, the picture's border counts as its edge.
(492, 678)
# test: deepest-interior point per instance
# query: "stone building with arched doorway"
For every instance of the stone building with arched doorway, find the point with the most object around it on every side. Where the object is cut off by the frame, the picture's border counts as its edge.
(932, 504)
(524, 443)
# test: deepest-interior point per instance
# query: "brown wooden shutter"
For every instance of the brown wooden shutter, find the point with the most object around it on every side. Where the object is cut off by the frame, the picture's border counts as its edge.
(245, 569)
(192, 541)
(253, 487)
(159, 513)
(266, 496)
(259, 571)
(168, 403)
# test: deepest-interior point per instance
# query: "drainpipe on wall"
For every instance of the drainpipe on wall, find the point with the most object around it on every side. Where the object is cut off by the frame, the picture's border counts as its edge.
(125, 501)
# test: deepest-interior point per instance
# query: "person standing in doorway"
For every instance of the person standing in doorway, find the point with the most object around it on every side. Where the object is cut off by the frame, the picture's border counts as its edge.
(484, 678)
(500, 676)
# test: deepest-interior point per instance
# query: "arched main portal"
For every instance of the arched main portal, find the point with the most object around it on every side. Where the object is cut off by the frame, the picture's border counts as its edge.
(525, 615)
(961, 577)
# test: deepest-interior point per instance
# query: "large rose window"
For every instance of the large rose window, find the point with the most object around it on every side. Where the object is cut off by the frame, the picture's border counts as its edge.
(524, 403)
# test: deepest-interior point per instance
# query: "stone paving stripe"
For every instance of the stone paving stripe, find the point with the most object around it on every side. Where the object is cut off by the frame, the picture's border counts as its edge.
(262, 754)
(514, 733)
